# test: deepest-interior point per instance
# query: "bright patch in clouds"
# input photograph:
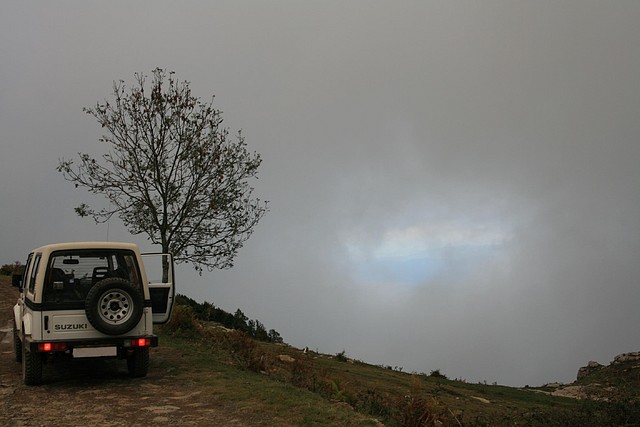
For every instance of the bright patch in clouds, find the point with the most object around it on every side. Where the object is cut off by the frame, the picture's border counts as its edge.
(418, 241)
(412, 255)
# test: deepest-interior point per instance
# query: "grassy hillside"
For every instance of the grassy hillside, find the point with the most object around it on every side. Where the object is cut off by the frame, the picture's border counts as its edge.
(290, 380)
(266, 383)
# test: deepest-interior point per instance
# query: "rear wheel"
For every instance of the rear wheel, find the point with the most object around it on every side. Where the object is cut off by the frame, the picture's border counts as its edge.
(138, 362)
(17, 344)
(31, 367)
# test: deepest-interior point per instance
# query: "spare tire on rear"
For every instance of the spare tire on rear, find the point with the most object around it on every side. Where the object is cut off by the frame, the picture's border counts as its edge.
(114, 306)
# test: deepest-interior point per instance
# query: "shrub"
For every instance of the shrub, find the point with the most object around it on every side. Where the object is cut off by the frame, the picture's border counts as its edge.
(437, 374)
(342, 356)
(302, 375)
(245, 351)
(182, 321)
(417, 411)
(372, 402)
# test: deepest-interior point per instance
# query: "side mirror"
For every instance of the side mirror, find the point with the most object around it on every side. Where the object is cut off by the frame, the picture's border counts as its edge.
(16, 280)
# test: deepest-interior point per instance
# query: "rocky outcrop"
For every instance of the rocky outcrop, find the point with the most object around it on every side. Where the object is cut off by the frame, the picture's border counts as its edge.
(596, 390)
(627, 357)
(592, 366)
(481, 399)
(586, 370)
(593, 391)
(286, 358)
(571, 391)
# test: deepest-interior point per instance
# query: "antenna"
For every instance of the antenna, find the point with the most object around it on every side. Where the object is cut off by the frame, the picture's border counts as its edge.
(108, 221)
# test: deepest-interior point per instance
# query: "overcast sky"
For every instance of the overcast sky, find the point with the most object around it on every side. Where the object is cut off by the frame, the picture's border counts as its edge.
(454, 185)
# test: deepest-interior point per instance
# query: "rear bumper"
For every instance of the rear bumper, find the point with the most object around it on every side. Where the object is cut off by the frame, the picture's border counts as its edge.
(120, 342)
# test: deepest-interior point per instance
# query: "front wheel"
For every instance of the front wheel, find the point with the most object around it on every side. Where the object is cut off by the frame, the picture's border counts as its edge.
(138, 362)
(31, 367)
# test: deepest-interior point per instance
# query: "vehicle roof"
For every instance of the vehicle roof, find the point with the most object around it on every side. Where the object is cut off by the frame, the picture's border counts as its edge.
(86, 245)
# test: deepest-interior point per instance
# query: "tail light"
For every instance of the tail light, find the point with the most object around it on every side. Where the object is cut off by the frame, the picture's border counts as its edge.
(138, 342)
(52, 346)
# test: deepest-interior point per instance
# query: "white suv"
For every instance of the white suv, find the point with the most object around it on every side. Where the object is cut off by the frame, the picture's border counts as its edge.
(90, 299)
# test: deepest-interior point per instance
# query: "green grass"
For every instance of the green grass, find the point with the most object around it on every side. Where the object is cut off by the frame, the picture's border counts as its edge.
(258, 396)
(319, 389)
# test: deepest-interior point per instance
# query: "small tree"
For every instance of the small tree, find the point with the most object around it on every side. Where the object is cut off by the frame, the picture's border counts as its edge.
(274, 336)
(240, 321)
(260, 332)
(171, 172)
(10, 269)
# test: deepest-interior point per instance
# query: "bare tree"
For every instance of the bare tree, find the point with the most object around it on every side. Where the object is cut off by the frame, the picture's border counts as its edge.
(171, 172)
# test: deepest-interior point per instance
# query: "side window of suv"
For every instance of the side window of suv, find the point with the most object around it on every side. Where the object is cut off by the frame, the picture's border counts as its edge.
(34, 272)
(25, 279)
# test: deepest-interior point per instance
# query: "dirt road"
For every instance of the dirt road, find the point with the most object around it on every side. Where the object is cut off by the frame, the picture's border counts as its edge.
(77, 392)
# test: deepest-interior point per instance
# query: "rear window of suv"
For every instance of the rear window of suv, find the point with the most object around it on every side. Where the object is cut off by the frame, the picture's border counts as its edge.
(70, 274)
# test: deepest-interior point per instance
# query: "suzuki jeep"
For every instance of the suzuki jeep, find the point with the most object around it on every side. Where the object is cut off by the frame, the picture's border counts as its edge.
(90, 299)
